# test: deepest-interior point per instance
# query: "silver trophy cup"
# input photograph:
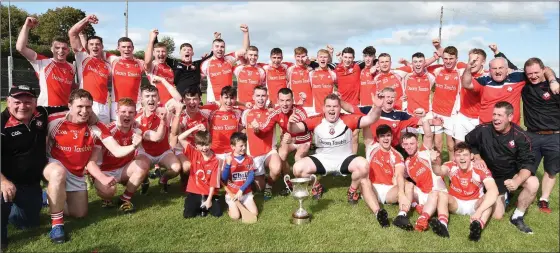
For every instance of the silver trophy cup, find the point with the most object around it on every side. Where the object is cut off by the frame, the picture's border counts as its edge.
(300, 193)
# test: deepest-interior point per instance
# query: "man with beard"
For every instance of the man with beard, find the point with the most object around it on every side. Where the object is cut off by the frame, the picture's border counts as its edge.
(505, 149)
(70, 146)
(56, 75)
(219, 68)
(155, 147)
(261, 147)
(93, 70)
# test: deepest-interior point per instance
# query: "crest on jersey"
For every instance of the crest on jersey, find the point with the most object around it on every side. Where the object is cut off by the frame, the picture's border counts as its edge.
(331, 131)
(446, 78)
(350, 70)
(509, 89)
(464, 182)
(39, 124)
(546, 96)
(250, 73)
(394, 125)
(511, 144)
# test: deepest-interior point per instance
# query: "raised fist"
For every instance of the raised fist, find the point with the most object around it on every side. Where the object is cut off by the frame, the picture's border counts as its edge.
(217, 35)
(31, 22)
(493, 47)
(330, 49)
(153, 34)
(244, 28)
(92, 19)
(201, 127)
(436, 43)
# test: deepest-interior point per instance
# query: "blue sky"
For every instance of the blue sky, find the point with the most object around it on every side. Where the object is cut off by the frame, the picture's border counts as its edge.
(521, 30)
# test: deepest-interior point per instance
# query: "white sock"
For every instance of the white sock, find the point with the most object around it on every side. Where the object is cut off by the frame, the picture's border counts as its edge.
(517, 214)
(543, 199)
(403, 213)
(444, 223)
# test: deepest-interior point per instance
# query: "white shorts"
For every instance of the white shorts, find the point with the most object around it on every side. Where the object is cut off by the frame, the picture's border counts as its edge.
(116, 173)
(423, 197)
(447, 127)
(259, 162)
(332, 164)
(178, 149)
(244, 198)
(463, 125)
(73, 183)
(310, 111)
(102, 112)
(154, 159)
(465, 207)
(381, 191)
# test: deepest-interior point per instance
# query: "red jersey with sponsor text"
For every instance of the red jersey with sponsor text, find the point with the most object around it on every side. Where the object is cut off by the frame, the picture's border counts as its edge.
(163, 70)
(282, 119)
(466, 185)
(93, 76)
(248, 77)
(492, 92)
(260, 144)
(151, 123)
(127, 78)
(239, 172)
(448, 83)
(110, 162)
(367, 86)
(55, 80)
(322, 84)
(222, 125)
(382, 165)
(383, 80)
(298, 81)
(349, 82)
(418, 168)
(276, 79)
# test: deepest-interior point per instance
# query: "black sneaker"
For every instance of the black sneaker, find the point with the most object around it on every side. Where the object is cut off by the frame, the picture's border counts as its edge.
(403, 222)
(383, 218)
(520, 224)
(438, 227)
(164, 185)
(353, 197)
(145, 186)
(476, 231)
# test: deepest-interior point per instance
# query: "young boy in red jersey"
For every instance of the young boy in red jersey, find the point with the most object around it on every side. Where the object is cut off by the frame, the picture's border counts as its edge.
(239, 174)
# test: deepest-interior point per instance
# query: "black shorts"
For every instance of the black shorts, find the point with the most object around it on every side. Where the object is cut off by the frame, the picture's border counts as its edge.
(194, 201)
(547, 146)
(501, 186)
(325, 164)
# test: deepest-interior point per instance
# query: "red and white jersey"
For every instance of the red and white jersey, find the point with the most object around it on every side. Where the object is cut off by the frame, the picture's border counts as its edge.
(262, 143)
(282, 119)
(492, 92)
(72, 144)
(417, 90)
(298, 81)
(367, 87)
(188, 122)
(333, 138)
(322, 84)
(110, 162)
(203, 173)
(93, 75)
(470, 99)
(127, 78)
(55, 80)
(349, 80)
(382, 164)
(151, 123)
(448, 84)
(239, 172)
(393, 80)
(467, 185)
(418, 168)
(163, 70)
(219, 73)
(248, 77)
(276, 79)
(222, 125)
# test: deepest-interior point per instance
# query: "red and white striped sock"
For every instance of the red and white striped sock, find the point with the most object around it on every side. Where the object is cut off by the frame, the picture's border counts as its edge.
(443, 218)
(126, 196)
(57, 218)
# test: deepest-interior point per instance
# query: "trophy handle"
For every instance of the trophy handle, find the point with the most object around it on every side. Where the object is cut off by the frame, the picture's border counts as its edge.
(286, 179)
(314, 179)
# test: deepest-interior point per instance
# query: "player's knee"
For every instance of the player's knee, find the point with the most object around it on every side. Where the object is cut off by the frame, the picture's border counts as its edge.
(176, 167)
(532, 184)
(79, 213)
(362, 167)
(186, 166)
(57, 175)
(442, 196)
(433, 195)
(497, 215)
(234, 216)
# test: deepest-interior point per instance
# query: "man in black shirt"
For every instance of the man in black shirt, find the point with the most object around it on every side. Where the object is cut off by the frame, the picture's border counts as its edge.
(187, 71)
(505, 149)
(541, 110)
(24, 132)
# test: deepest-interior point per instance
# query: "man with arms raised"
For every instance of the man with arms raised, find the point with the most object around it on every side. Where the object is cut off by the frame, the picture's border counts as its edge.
(290, 142)
(71, 143)
(332, 134)
(505, 149)
(262, 146)
(472, 191)
(249, 75)
(155, 147)
(125, 170)
(127, 74)
(56, 75)
(219, 68)
(93, 70)
(24, 135)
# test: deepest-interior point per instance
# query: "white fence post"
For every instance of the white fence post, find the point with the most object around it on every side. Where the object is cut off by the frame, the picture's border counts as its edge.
(10, 69)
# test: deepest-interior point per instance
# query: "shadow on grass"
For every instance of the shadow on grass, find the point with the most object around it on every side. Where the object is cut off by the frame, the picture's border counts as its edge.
(317, 206)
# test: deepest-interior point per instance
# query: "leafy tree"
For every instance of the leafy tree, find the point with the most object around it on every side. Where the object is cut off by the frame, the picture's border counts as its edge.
(139, 54)
(170, 43)
(57, 22)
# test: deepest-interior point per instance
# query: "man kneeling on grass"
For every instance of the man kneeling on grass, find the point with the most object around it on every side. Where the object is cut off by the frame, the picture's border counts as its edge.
(466, 192)
(239, 174)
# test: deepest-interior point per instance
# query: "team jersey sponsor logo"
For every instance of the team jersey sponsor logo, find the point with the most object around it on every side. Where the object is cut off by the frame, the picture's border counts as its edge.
(16, 133)
(239, 176)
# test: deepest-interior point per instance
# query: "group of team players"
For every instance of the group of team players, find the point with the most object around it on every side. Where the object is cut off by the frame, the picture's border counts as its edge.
(231, 139)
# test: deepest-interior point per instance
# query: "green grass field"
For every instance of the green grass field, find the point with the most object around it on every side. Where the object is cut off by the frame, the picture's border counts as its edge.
(158, 225)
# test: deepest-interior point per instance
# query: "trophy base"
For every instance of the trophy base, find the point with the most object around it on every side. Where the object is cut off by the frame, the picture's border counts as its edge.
(301, 220)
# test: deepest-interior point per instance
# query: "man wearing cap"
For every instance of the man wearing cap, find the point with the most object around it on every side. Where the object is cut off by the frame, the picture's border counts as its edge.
(24, 132)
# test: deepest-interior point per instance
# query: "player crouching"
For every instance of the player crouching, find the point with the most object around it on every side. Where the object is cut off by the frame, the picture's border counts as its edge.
(332, 135)
(239, 174)
(386, 172)
(466, 192)
(125, 170)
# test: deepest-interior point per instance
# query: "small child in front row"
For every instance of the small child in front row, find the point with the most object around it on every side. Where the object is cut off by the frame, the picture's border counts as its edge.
(239, 174)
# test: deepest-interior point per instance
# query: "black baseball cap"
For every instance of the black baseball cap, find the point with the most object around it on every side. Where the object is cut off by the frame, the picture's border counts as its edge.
(22, 90)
